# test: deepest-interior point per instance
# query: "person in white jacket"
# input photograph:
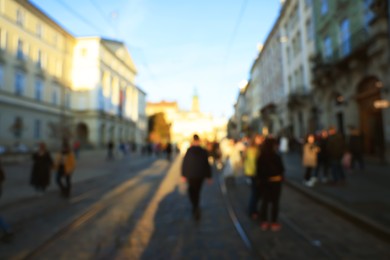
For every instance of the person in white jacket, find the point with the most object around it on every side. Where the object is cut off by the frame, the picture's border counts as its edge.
(309, 159)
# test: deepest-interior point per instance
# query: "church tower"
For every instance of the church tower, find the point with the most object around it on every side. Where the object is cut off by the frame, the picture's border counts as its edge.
(195, 102)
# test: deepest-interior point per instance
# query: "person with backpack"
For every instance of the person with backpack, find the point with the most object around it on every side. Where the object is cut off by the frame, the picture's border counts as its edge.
(65, 165)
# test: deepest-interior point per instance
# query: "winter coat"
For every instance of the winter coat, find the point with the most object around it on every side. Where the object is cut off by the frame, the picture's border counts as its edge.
(40, 173)
(269, 168)
(196, 164)
(335, 147)
(68, 160)
(251, 155)
(310, 152)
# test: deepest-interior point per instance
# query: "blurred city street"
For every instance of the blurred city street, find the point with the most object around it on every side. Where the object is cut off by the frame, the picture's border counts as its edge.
(137, 208)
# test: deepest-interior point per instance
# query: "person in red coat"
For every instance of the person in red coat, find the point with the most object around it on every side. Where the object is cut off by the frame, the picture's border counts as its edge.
(195, 169)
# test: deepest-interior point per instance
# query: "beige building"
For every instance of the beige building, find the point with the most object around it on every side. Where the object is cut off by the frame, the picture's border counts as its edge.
(106, 100)
(35, 76)
(184, 124)
(55, 86)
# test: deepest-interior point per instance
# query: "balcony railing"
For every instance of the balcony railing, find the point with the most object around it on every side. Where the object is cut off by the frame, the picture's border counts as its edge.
(357, 41)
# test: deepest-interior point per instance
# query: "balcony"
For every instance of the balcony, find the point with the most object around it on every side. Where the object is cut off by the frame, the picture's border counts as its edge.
(298, 96)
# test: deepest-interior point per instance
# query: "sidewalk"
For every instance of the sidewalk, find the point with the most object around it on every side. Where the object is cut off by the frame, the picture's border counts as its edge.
(17, 184)
(364, 199)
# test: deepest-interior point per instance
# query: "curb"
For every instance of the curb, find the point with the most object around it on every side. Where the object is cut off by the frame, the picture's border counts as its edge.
(358, 219)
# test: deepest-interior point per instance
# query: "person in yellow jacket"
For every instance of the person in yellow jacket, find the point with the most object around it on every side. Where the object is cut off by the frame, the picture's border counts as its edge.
(65, 164)
(250, 157)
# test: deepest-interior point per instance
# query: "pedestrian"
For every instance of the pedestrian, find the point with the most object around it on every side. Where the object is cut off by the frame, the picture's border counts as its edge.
(76, 148)
(269, 174)
(65, 165)
(195, 169)
(168, 151)
(4, 226)
(335, 148)
(322, 158)
(110, 150)
(309, 160)
(250, 157)
(41, 169)
(355, 147)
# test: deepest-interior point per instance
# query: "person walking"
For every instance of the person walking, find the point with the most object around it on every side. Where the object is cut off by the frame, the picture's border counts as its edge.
(322, 158)
(336, 148)
(250, 156)
(110, 150)
(65, 165)
(168, 151)
(41, 169)
(270, 174)
(4, 226)
(76, 148)
(355, 147)
(309, 160)
(195, 169)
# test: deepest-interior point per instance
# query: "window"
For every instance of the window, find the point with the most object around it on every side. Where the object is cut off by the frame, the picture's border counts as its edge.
(328, 51)
(345, 38)
(368, 13)
(38, 89)
(324, 6)
(19, 17)
(39, 59)
(1, 76)
(58, 68)
(54, 96)
(67, 100)
(3, 39)
(39, 30)
(37, 129)
(19, 52)
(19, 83)
(309, 30)
(84, 52)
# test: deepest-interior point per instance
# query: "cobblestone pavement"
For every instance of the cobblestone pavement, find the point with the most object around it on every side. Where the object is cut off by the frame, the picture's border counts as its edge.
(176, 235)
(152, 220)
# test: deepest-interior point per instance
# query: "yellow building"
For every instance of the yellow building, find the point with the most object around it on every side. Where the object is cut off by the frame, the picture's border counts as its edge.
(53, 85)
(184, 124)
(35, 76)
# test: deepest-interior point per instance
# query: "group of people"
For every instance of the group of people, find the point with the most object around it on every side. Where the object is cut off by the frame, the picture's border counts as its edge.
(261, 162)
(265, 168)
(63, 165)
(330, 150)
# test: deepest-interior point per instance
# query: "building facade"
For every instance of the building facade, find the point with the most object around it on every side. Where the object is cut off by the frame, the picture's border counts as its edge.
(335, 69)
(55, 86)
(298, 47)
(351, 70)
(35, 76)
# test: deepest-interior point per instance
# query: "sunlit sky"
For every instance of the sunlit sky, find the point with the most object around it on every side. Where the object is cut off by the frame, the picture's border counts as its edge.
(177, 45)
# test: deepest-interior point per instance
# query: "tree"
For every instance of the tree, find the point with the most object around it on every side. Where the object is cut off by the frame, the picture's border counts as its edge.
(158, 128)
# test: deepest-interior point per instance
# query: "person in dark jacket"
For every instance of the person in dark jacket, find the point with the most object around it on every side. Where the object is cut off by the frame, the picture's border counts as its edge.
(195, 169)
(4, 226)
(335, 148)
(41, 169)
(269, 174)
(355, 146)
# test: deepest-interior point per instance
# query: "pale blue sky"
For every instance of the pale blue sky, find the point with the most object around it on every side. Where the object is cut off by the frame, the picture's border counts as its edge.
(178, 45)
